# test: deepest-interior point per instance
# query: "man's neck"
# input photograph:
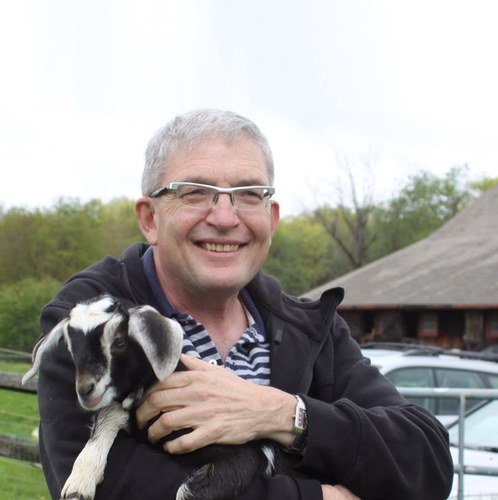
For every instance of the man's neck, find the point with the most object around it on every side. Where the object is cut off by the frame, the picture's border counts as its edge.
(225, 320)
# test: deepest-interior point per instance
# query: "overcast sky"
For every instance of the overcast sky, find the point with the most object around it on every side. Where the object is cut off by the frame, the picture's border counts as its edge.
(401, 85)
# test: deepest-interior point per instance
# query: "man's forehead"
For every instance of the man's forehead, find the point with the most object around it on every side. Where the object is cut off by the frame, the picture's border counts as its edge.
(216, 162)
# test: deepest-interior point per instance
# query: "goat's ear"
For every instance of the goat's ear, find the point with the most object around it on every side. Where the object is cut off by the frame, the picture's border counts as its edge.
(44, 344)
(160, 338)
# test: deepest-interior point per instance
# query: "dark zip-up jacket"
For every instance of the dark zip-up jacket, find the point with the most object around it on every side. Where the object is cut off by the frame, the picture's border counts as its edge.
(362, 433)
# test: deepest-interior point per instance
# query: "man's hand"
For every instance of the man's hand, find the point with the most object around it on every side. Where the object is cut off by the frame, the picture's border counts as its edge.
(218, 406)
(337, 492)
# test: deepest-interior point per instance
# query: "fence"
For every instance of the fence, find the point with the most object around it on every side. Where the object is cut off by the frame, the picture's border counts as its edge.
(462, 395)
(21, 449)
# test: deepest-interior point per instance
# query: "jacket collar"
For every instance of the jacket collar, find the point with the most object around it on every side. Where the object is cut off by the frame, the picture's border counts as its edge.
(297, 329)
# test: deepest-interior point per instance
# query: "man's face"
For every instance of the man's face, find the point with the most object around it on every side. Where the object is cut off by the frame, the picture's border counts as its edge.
(216, 250)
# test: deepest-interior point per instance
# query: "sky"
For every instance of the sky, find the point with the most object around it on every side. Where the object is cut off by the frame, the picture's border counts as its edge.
(379, 90)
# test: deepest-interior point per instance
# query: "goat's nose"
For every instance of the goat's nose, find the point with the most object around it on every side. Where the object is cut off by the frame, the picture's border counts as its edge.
(86, 388)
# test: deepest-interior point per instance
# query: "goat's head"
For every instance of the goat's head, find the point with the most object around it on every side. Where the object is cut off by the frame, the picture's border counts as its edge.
(98, 331)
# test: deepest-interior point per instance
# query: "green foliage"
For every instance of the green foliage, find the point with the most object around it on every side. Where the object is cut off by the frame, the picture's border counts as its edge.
(421, 207)
(62, 240)
(350, 229)
(301, 255)
(20, 306)
(484, 184)
(40, 249)
(119, 227)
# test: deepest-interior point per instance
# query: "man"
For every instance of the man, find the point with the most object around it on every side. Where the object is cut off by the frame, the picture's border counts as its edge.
(208, 217)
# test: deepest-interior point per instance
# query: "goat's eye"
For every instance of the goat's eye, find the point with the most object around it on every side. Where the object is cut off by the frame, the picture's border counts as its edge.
(119, 343)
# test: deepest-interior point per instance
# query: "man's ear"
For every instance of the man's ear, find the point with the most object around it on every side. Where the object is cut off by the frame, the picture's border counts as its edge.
(274, 215)
(145, 213)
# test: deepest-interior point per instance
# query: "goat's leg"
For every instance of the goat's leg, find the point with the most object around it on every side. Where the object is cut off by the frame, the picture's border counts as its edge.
(89, 466)
(229, 473)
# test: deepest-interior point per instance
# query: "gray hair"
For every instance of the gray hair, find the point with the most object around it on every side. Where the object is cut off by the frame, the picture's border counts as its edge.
(187, 130)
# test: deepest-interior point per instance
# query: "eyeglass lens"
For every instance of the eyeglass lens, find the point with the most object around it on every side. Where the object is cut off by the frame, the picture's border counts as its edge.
(207, 197)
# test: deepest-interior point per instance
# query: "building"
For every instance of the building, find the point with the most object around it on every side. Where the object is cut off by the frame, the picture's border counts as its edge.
(442, 290)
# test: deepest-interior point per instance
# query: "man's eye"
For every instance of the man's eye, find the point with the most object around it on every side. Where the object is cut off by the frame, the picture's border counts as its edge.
(257, 194)
(194, 192)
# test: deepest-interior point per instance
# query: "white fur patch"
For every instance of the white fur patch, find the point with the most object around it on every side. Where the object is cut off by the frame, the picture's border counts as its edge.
(270, 456)
(183, 492)
(86, 317)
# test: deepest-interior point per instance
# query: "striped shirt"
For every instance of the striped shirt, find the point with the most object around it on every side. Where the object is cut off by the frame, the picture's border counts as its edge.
(249, 358)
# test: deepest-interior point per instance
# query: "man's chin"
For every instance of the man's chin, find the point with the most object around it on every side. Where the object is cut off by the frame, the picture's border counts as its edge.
(223, 286)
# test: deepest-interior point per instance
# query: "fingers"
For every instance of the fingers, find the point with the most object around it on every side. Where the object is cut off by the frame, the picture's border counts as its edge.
(197, 436)
(161, 397)
(193, 363)
(170, 394)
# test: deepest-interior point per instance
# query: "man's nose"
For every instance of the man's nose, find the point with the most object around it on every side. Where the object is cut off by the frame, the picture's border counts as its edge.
(223, 213)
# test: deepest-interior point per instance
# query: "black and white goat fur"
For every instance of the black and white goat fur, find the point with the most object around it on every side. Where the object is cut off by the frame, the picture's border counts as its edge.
(118, 354)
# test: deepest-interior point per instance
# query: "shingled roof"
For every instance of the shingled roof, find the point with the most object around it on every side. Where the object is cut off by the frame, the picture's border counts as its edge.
(456, 266)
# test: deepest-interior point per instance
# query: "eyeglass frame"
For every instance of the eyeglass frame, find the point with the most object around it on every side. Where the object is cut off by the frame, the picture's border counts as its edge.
(172, 187)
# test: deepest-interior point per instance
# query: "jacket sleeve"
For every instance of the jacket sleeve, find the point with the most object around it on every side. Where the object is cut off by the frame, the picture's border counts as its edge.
(134, 469)
(363, 434)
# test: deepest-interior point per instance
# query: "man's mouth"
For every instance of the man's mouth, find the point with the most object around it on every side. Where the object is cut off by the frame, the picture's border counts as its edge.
(217, 247)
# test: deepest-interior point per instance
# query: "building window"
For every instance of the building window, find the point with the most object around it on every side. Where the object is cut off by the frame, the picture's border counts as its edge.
(428, 324)
(492, 325)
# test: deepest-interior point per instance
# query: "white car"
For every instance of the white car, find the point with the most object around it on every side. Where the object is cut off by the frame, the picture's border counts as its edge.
(408, 365)
(480, 450)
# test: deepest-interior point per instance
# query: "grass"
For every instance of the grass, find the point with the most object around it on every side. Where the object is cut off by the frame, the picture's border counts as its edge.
(18, 414)
(18, 367)
(19, 480)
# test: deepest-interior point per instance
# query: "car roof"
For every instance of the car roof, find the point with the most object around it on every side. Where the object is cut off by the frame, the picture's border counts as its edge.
(390, 356)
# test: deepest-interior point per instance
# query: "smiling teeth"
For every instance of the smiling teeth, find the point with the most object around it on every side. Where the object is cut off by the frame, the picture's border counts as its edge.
(220, 248)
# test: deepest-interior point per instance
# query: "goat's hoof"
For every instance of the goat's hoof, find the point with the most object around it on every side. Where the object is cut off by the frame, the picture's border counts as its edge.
(78, 490)
(75, 496)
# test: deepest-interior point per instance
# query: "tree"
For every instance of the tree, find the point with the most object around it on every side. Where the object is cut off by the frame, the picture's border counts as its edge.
(350, 229)
(66, 238)
(483, 185)
(348, 221)
(301, 254)
(120, 226)
(422, 206)
(20, 307)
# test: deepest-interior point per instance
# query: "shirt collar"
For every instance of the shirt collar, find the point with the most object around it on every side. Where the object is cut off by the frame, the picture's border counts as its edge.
(166, 309)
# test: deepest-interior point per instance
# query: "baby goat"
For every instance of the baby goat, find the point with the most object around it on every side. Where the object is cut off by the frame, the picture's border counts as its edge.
(118, 355)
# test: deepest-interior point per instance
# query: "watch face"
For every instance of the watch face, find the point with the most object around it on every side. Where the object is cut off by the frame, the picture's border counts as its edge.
(301, 418)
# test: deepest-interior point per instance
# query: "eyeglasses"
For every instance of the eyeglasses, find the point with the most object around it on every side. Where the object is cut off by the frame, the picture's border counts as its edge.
(204, 196)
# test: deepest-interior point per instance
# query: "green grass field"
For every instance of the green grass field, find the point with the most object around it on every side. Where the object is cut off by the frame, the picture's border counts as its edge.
(19, 418)
(9, 366)
(18, 414)
(21, 481)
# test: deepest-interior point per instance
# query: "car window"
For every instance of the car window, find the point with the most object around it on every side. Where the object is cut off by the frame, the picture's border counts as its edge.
(415, 377)
(493, 380)
(457, 379)
(480, 427)
(466, 379)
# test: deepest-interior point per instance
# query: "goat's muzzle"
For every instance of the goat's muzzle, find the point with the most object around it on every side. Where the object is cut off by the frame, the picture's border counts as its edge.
(89, 396)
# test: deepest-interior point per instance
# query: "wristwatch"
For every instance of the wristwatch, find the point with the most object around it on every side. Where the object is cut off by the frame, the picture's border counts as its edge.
(300, 427)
